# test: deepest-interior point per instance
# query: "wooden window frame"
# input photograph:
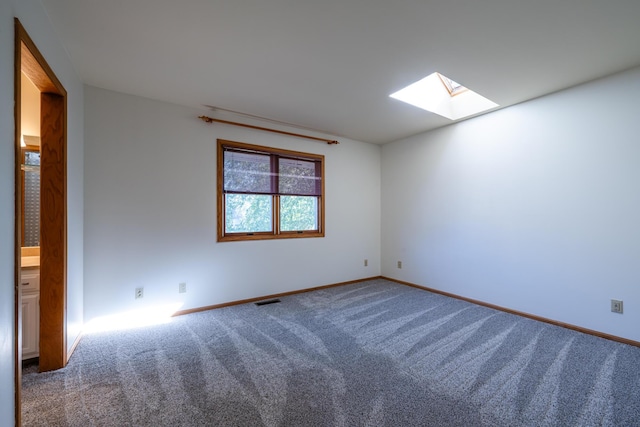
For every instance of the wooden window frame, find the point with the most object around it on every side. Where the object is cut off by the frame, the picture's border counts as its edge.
(276, 233)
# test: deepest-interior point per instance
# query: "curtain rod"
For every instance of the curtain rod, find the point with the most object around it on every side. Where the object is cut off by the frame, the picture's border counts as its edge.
(226, 122)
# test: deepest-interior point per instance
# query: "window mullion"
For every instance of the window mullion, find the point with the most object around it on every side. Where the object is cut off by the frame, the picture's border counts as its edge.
(276, 214)
(319, 210)
(275, 184)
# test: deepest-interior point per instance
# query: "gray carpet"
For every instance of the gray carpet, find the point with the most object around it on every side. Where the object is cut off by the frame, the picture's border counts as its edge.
(370, 354)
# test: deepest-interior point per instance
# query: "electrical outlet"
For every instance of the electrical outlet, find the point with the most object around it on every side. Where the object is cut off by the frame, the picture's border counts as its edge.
(366, 262)
(182, 287)
(139, 293)
(616, 306)
(399, 264)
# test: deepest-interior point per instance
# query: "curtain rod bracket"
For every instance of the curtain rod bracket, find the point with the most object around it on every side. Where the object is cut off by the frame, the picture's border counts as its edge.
(207, 119)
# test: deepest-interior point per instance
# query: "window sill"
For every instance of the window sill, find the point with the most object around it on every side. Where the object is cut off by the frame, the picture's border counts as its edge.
(238, 237)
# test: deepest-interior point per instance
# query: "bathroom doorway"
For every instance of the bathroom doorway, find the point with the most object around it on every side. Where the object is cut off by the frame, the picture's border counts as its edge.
(42, 158)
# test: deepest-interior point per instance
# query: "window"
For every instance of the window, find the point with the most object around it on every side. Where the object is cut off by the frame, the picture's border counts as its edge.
(268, 193)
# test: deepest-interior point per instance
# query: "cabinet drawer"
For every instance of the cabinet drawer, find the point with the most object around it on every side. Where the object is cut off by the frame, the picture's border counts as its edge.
(30, 281)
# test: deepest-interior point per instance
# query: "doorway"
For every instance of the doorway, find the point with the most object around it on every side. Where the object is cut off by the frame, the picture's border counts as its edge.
(51, 260)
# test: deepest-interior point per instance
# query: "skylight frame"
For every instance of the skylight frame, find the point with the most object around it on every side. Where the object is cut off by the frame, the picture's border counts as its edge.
(454, 88)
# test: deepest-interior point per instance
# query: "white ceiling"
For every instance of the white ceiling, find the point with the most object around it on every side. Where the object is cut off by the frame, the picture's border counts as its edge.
(331, 64)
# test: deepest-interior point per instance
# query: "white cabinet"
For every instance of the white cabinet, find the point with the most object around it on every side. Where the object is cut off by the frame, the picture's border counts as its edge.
(30, 286)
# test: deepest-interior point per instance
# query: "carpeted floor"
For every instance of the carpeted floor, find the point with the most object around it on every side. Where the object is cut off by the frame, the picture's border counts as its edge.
(370, 354)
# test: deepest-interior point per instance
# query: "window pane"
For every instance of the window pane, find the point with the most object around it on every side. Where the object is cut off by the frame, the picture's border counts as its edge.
(299, 177)
(298, 213)
(247, 172)
(247, 213)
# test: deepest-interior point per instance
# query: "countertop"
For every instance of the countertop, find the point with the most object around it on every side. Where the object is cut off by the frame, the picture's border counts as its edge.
(30, 261)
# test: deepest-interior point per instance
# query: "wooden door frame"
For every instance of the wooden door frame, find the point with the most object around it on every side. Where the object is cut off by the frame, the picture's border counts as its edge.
(53, 205)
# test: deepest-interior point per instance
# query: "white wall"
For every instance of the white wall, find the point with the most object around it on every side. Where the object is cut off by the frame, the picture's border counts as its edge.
(533, 208)
(150, 212)
(35, 21)
(30, 108)
(7, 222)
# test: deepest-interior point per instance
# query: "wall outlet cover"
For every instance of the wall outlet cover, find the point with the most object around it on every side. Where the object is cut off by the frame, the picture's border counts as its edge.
(616, 306)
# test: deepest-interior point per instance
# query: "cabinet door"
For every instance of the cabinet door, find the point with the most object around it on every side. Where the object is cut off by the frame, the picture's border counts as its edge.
(30, 325)
(30, 281)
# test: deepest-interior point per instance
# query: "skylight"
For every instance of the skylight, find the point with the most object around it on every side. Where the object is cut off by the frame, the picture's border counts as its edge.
(441, 95)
